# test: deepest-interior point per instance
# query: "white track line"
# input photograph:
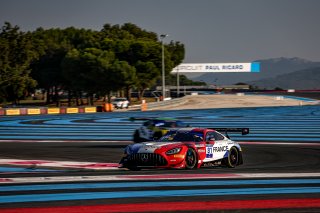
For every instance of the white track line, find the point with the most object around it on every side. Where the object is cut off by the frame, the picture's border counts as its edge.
(59, 164)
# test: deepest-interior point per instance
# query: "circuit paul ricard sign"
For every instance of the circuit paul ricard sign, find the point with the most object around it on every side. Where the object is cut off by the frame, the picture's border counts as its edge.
(217, 67)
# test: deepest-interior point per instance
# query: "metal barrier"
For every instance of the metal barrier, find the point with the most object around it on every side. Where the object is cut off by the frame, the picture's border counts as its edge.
(154, 105)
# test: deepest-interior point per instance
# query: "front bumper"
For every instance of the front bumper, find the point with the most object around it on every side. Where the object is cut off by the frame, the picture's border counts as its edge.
(144, 160)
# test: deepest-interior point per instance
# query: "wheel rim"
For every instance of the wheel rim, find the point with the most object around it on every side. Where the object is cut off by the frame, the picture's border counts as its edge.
(190, 158)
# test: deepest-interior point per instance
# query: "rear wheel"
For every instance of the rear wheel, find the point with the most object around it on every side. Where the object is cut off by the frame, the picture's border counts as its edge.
(191, 159)
(233, 158)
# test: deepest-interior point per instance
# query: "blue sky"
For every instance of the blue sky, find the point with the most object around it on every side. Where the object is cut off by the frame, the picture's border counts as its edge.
(213, 31)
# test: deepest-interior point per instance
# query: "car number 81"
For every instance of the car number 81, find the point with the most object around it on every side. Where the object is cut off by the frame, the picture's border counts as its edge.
(209, 152)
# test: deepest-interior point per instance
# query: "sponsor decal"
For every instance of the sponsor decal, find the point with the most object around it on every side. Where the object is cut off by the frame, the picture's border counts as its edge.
(72, 110)
(220, 149)
(13, 112)
(53, 110)
(217, 67)
(33, 111)
(211, 150)
(90, 109)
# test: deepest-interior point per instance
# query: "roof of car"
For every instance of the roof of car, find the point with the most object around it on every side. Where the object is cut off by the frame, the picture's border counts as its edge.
(189, 129)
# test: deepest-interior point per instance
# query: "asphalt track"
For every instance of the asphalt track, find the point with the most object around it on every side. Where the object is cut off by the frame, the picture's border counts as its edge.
(281, 169)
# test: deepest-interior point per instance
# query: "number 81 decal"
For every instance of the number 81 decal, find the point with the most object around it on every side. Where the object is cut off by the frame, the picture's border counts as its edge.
(209, 152)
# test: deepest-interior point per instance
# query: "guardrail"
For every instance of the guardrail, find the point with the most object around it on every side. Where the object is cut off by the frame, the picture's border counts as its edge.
(154, 105)
(73, 110)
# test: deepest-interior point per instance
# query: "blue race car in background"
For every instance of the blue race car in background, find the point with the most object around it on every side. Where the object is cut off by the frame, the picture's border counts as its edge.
(155, 128)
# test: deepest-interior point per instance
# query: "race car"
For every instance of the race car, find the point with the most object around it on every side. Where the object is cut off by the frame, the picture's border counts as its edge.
(155, 128)
(120, 103)
(188, 148)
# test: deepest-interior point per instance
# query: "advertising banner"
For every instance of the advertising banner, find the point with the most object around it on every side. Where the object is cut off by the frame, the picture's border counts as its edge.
(217, 67)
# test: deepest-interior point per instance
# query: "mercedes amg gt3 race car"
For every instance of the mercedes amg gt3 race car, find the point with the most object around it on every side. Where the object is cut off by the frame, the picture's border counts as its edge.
(188, 148)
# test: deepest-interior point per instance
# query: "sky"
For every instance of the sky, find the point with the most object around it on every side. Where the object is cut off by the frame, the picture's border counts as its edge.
(213, 31)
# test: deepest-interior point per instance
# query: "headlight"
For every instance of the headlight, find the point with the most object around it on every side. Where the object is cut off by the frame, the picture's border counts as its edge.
(173, 151)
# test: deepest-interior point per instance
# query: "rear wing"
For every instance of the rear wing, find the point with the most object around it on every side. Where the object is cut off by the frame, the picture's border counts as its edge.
(243, 131)
(148, 118)
(141, 118)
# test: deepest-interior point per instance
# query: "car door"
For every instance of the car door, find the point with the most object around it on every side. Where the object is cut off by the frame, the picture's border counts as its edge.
(221, 147)
(216, 146)
(145, 131)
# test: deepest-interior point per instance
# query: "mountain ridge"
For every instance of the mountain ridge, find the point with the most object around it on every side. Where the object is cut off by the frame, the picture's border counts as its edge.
(269, 68)
(302, 79)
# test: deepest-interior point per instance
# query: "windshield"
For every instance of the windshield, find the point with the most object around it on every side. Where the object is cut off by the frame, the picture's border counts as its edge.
(170, 124)
(182, 136)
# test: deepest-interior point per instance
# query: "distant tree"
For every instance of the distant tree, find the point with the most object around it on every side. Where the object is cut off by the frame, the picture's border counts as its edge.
(240, 83)
(55, 45)
(172, 80)
(117, 58)
(139, 48)
(127, 76)
(278, 88)
(96, 71)
(177, 52)
(139, 33)
(147, 74)
(253, 87)
(16, 54)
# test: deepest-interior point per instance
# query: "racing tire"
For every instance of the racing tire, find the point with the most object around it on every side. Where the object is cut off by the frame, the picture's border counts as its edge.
(233, 158)
(191, 159)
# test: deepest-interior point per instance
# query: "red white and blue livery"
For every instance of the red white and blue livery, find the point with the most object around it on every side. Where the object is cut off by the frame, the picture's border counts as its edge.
(188, 148)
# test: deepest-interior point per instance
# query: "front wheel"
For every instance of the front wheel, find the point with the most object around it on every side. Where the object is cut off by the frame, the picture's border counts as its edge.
(233, 158)
(191, 159)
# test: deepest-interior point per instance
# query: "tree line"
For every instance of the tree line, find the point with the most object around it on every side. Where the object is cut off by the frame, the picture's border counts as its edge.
(83, 61)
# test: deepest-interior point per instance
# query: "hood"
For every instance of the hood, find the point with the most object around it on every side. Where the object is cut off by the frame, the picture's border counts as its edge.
(149, 147)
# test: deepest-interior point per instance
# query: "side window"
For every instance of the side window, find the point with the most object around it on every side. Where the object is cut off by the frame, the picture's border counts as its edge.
(210, 136)
(218, 136)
